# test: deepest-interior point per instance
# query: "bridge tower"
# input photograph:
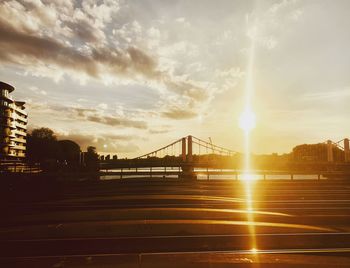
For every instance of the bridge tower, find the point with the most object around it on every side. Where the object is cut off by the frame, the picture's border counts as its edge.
(183, 149)
(189, 149)
(346, 150)
(330, 151)
(187, 160)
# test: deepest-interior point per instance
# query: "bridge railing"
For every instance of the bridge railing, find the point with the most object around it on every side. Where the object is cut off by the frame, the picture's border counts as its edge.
(19, 167)
(217, 174)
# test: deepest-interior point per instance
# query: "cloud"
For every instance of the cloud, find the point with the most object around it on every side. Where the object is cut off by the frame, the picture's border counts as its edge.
(37, 90)
(83, 115)
(23, 49)
(160, 131)
(267, 25)
(179, 114)
(99, 116)
(116, 121)
(58, 40)
(85, 31)
(327, 95)
(188, 89)
(114, 144)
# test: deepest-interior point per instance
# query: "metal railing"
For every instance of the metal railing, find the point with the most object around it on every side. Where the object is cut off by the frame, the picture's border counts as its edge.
(19, 167)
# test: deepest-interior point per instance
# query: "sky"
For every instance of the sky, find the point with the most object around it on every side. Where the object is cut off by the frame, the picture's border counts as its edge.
(131, 76)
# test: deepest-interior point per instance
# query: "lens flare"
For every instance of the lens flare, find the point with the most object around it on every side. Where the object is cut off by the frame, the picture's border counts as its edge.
(247, 120)
(254, 250)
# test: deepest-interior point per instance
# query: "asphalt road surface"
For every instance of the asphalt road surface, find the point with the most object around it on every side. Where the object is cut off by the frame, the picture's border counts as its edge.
(168, 223)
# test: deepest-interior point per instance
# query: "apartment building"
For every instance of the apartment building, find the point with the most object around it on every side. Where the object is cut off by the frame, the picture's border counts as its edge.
(13, 125)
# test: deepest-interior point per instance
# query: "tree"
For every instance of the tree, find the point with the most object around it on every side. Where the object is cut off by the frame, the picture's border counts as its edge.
(42, 145)
(44, 133)
(69, 152)
(91, 158)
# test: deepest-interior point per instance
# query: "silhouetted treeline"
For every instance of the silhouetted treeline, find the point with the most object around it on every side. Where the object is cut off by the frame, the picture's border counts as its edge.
(44, 147)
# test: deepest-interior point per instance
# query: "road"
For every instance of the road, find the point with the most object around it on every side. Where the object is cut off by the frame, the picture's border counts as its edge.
(143, 223)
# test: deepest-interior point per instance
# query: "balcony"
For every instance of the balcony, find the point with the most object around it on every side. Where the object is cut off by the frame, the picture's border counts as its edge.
(21, 118)
(19, 132)
(12, 125)
(12, 106)
(12, 144)
(20, 140)
(19, 147)
(21, 111)
(20, 125)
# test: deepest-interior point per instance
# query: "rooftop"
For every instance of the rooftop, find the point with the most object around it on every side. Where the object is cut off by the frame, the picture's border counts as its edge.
(4, 85)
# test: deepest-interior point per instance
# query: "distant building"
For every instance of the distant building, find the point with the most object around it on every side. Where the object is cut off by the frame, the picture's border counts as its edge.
(13, 125)
(316, 153)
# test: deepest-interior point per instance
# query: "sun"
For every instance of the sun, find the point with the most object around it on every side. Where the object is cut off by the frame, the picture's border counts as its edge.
(247, 120)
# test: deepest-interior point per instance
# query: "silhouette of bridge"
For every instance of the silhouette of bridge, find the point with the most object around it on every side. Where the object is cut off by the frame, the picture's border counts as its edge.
(189, 156)
(187, 146)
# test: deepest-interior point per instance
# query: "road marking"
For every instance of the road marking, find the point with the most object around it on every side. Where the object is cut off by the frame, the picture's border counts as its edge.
(256, 251)
(233, 252)
(176, 236)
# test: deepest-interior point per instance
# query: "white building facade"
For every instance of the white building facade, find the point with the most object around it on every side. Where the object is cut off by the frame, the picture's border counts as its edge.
(13, 125)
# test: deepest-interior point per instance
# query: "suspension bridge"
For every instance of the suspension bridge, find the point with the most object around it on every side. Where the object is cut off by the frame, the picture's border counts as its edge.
(190, 156)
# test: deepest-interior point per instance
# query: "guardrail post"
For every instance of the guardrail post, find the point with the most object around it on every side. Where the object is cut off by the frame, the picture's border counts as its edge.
(121, 173)
(291, 176)
(183, 149)
(150, 173)
(189, 149)
(207, 174)
(264, 176)
(318, 176)
(188, 167)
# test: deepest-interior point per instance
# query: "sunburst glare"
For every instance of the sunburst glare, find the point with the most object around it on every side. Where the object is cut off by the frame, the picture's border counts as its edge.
(247, 120)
